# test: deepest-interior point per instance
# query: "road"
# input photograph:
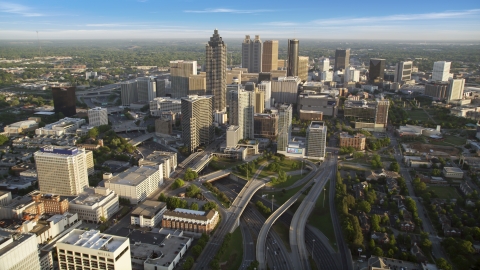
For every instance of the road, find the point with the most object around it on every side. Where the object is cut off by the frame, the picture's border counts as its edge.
(248, 244)
(297, 227)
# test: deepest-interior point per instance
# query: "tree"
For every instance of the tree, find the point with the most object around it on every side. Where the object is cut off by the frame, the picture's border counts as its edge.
(436, 172)
(3, 139)
(375, 220)
(178, 183)
(371, 244)
(162, 197)
(93, 133)
(192, 191)
(394, 166)
(190, 175)
(194, 206)
(209, 206)
(364, 206)
(188, 263)
(377, 252)
(197, 250)
(443, 264)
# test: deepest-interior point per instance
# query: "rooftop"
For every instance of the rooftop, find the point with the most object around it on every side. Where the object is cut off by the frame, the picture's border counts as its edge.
(452, 170)
(93, 239)
(170, 248)
(192, 214)
(133, 176)
(10, 239)
(91, 196)
(346, 135)
(148, 208)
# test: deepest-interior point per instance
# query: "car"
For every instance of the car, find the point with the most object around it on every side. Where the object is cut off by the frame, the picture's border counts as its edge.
(360, 260)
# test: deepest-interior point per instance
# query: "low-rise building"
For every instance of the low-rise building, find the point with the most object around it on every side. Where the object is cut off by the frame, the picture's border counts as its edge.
(81, 249)
(168, 161)
(64, 126)
(52, 203)
(136, 183)
(356, 141)
(47, 229)
(148, 213)
(95, 204)
(452, 172)
(23, 126)
(5, 197)
(190, 220)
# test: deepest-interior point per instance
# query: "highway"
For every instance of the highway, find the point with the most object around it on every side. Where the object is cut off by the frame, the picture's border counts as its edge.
(248, 244)
(297, 227)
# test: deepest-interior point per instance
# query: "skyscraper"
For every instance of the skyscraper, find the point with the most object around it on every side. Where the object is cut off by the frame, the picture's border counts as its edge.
(97, 116)
(292, 65)
(403, 71)
(64, 100)
(351, 75)
(252, 54)
(180, 71)
(197, 121)
(376, 70)
(284, 126)
(324, 65)
(303, 68)
(241, 111)
(342, 59)
(316, 140)
(216, 70)
(266, 87)
(62, 170)
(146, 89)
(270, 56)
(161, 86)
(455, 89)
(441, 71)
(128, 92)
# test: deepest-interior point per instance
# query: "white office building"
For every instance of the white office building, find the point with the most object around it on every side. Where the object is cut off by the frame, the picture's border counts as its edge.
(5, 197)
(324, 65)
(62, 170)
(148, 213)
(97, 117)
(441, 71)
(326, 76)
(146, 89)
(81, 249)
(455, 89)
(285, 89)
(233, 135)
(46, 230)
(242, 109)
(136, 183)
(351, 75)
(266, 87)
(165, 104)
(403, 71)
(168, 161)
(64, 126)
(316, 140)
(18, 251)
(94, 203)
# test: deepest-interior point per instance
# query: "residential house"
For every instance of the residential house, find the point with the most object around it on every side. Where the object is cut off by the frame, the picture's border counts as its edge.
(417, 252)
(407, 226)
(381, 238)
(364, 222)
(392, 185)
(466, 188)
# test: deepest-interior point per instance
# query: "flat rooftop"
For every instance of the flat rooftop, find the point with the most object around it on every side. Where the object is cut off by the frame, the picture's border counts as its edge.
(89, 197)
(452, 170)
(8, 241)
(133, 176)
(170, 248)
(148, 208)
(93, 239)
(191, 214)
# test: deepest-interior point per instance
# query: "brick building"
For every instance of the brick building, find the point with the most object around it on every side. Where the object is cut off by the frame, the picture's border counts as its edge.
(356, 141)
(190, 220)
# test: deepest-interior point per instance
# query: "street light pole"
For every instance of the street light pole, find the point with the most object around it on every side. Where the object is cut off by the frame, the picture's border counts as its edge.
(272, 202)
(324, 190)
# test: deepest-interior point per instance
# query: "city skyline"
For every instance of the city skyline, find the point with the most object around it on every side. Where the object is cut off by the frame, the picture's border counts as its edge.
(139, 19)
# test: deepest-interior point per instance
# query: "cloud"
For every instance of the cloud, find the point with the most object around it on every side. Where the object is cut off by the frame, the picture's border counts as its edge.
(18, 9)
(228, 10)
(280, 24)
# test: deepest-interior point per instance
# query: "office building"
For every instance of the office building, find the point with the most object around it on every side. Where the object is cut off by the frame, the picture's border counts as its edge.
(97, 117)
(241, 111)
(62, 170)
(376, 70)
(197, 84)
(5, 197)
(284, 112)
(23, 126)
(136, 183)
(316, 140)
(64, 100)
(191, 220)
(356, 141)
(46, 228)
(351, 75)
(160, 85)
(270, 56)
(266, 88)
(233, 135)
(324, 65)
(265, 125)
(148, 214)
(146, 89)
(455, 89)
(303, 68)
(160, 105)
(220, 117)
(61, 127)
(441, 71)
(252, 51)
(92, 249)
(310, 102)
(368, 115)
(437, 89)
(168, 161)
(403, 71)
(197, 121)
(180, 72)
(326, 76)
(161, 256)
(128, 92)
(292, 64)
(285, 89)
(94, 204)
(259, 101)
(51, 203)
(342, 59)
(18, 251)
(216, 71)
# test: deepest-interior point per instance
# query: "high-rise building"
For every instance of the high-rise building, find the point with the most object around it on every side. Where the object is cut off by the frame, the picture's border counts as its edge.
(285, 89)
(292, 65)
(441, 71)
(324, 65)
(270, 55)
(316, 140)
(64, 100)
(265, 125)
(62, 170)
(128, 92)
(342, 59)
(437, 89)
(197, 84)
(18, 251)
(351, 75)
(146, 89)
(376, 70)
(97, 116)
(216, 70)
(368, 115)
(266, 87)
(455, 89)
(161, 87)
(241, 111)
(259, 101)
(284, 125)
(252, 51)
(92, 249)
(197, 121)
(303, 68)
(233, 135)
(180, 71)
(403, 71)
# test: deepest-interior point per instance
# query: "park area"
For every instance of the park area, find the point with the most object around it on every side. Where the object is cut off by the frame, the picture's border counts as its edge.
(418, 114)
(444, 192)
(232, 258)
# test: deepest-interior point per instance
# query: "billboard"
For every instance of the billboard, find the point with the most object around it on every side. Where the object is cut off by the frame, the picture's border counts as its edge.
(291, 150)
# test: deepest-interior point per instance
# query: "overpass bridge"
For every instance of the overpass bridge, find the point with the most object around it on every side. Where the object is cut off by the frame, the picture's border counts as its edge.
(138, 140)
(202, 163)
(215, 175)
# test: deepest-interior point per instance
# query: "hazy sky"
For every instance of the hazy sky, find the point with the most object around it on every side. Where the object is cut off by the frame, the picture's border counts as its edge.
(315, 19)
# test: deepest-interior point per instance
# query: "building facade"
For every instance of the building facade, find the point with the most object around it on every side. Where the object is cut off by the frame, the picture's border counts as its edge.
(441, 71)
(197, 121)
(95, 204)
(285, 89)
(190, 220)
(316, 140)
(455, 89)
(160, 105)
(148, 214)
(216, 71)
(270, 55)
(18, 251)
(62, 170)
(356, 141)
(64, 100)
(241, 111)
(252, 51)
(403, 71)
(52, 203)
(376, 70)
(168, 161)
(180, 72)
(97, 117)
(61, 127)
(284, 112)
(303, 68)
(342, 59)
(292, 64)
(128, 92)
(265, 125)
(146, 89)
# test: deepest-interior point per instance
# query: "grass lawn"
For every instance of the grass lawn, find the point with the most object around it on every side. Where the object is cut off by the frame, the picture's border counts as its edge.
(283, 231)
(418, 114)
(289, 182)
(234, 255)
(225, 163)
(281, 198)
(321, 218)
(445, 192)
(313, 265)
(286, 165)
(455, 140)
